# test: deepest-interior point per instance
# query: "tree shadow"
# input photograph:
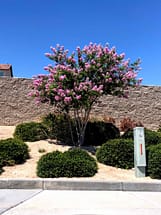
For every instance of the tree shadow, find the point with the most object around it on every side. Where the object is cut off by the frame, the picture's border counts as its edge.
(90, 148)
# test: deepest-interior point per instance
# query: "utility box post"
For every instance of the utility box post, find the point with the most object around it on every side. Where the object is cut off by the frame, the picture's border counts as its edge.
(139, 152)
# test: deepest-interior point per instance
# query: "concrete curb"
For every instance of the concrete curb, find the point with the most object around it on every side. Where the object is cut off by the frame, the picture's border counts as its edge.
(77, 184)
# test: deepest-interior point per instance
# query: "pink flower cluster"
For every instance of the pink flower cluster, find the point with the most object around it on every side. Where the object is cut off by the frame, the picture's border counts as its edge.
(79, 79)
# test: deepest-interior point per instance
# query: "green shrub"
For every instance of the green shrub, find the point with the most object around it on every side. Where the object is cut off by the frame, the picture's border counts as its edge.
(128, 134)
(50, 165)
(72, 163)
(159, 129)
(58, 128)
(1, 162)
(1, 165)
(1, 170)
(30, 131)
(79, 163)
(49, 121)
(151, 137)
(118, 153)
(154, 161)
(13, 151)
(98, 132)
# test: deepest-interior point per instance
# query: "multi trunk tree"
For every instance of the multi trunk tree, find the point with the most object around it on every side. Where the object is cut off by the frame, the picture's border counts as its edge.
(75, 82)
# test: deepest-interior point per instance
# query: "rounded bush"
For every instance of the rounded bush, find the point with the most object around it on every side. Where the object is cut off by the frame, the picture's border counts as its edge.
(99, 132)
(13, 151)
(118, 153)
(30, 131)
(58, 127)
(128, 134)
(80, 163)
(154, 161)
(151, 137)
(50, 165)
(72, 163)
(1, 165)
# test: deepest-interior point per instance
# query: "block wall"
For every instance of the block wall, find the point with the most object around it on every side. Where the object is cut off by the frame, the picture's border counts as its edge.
(143, 104)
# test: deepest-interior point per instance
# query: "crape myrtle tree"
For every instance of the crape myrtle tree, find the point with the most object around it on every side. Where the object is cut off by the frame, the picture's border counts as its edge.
(76, 81)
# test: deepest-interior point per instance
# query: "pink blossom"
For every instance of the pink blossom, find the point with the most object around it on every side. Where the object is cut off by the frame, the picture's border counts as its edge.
(126, 63)
(94, 88)
(93, 61)
(31, 93)
(87, 65)
(51, 78)
(80, 87)
(37, 94)
(37, 101)
(48, 54)
(78, 49)
(81, 59)
(47, 86)
(46, 68)
(53, 49)
(100, 87)
(67, 91)
(78, 97)
(57, 98)
(62, 77)
(109, 80)
(62, 94)
(106, 50)
(140, 80)
(60, 91)
(130, 75)
(92, 68)
(122, 55)
(36, 82)
(67, 99)
(71, 59)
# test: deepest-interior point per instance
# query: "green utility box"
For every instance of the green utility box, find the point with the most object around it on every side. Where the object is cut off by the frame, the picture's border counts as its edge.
(139, 152)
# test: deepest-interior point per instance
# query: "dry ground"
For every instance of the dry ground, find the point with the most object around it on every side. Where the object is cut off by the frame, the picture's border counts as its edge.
(28, 169)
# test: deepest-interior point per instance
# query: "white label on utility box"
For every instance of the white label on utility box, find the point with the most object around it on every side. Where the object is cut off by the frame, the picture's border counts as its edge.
(139, 147)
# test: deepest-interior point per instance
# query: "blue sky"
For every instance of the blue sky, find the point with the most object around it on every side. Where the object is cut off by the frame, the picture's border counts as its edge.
(29, 27)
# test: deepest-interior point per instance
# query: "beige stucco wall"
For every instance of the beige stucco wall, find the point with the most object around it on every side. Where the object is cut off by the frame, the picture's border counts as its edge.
(143, 104)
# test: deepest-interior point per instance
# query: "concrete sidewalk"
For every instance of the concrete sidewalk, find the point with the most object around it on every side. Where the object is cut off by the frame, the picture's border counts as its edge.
(55, 202)
(78, 197)
(11, 198)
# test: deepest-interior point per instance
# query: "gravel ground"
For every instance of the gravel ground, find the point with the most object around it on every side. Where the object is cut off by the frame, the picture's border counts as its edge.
(28, 169)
